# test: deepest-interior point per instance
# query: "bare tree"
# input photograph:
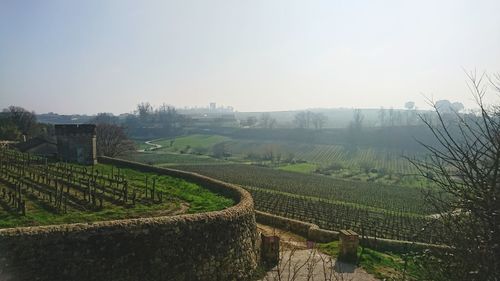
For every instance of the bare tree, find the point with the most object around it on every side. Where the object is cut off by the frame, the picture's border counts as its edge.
(381, 116)
(465, 167)
(392, 116)
(144, 109)
(357, 120)
(266, 121)
(105, 118)
(250, 121)
(319, 120)
(112, 140)
(300, 120)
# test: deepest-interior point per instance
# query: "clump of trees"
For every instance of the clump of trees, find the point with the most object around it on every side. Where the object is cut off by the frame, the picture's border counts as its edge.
(164, 120)
(220, 150)
(16, 122)
(308, 119)
(465, 167)
(249, 122)
(111, 138)
(266, 121)
(357, 120)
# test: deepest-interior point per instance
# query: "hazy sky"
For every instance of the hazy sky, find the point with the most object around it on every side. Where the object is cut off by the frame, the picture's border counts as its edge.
(93, 56)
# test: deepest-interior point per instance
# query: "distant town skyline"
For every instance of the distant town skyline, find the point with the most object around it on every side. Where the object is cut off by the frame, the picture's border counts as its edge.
(95, 56)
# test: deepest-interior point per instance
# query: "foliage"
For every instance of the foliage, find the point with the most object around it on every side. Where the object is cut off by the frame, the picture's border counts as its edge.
(16, 121)
(466, 165)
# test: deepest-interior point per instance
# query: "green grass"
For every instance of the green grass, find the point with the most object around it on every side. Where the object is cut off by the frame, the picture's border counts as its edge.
(177, 194)
(199, 199)
(140, 144)
(383, 265)
(38, 215)
(192, 142)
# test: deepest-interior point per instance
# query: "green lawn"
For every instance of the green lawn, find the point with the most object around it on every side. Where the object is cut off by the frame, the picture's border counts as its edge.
(191, 143)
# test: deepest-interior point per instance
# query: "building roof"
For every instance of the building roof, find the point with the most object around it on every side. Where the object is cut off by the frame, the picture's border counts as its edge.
(39, 145)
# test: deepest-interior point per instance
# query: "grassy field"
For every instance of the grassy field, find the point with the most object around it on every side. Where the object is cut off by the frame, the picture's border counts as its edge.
(179, 196)
(192, 143)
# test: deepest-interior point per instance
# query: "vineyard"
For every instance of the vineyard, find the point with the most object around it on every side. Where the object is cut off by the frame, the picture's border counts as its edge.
(324, 155)
(336, 215)
(167, 158)
(377, 210)
(34, 191)
(388, 197)
(389, 160)
(366, 203)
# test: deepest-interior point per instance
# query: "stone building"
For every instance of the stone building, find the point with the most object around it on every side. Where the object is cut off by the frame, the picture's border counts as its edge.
(76, 143)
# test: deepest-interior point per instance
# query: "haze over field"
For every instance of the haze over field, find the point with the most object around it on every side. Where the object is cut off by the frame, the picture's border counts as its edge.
(95, 56)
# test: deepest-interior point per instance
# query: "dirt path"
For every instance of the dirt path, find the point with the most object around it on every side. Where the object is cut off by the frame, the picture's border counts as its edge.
(299, 263)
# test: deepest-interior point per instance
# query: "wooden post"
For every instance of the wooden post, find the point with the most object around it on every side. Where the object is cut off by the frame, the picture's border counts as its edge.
(153, 190)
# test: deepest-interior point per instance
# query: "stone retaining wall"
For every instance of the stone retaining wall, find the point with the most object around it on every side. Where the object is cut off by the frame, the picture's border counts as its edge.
(316, 234)
(221, 245)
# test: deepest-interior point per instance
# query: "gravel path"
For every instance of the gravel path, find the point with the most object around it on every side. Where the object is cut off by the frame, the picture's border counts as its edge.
(154, 146)
(298, 263)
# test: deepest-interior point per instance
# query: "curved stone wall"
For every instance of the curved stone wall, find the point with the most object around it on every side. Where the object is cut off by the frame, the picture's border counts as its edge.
(219, 245)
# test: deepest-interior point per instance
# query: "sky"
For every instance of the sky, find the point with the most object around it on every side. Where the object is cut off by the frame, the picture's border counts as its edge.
(95, 56)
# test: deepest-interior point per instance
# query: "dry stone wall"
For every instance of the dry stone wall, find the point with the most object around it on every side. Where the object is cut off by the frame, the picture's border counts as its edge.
(316, 234)
(221, 245)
